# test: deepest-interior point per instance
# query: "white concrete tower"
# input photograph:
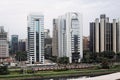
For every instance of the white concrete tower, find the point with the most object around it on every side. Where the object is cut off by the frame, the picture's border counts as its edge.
(97, 34)
(70, 36)
(102, 23)
(36, 38)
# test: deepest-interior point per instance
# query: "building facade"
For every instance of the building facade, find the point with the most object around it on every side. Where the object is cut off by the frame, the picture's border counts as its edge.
(36, 38)
(48, 47)
(70, 36)
(4, 44)
(85, 43)
(22, 45)
(47, 43)
(104, 35)
(14, 44)
(55, 38)
(46, 33)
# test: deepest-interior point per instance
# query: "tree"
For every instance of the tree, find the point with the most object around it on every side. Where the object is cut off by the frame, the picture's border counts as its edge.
(107, 54)
(63, 60)
(90, 57)
(53, 58)
(95, 57)
(21, 56)
(87, 57)
(105, 63)
(4, 70)
(118, 57)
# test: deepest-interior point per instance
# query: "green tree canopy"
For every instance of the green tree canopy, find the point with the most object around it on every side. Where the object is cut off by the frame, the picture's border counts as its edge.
(63, 60)
(95, 57)
(4, 70)
(118, 57)
(107, 54)
(21, 56)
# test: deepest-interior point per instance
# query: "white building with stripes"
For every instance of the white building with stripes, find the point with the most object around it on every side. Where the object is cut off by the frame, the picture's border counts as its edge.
(35, 38)
(70, 36)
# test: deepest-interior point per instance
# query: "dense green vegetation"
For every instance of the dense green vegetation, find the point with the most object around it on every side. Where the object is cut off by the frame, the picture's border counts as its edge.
(61, 60)
(4, 70)
(105, 58)
(21, 56)
(53, 58)
(94, 57)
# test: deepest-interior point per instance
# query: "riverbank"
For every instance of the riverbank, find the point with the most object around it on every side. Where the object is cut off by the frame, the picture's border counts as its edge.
(53, 74)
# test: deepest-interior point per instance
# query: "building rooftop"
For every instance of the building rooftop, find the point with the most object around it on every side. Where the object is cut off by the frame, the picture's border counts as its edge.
(35, 13)
(1, 29)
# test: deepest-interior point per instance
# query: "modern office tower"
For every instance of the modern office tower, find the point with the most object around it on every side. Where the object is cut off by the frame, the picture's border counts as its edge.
(47, 43)
(85, 43)
(22, 45)
(104, 35)
(70, 36)
(55, 38)
(14, 44)
(36, 38)
(48, 47)
(4, 45)
(46, 33)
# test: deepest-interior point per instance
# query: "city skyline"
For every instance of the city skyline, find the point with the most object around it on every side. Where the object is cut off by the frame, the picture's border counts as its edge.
(14, 13)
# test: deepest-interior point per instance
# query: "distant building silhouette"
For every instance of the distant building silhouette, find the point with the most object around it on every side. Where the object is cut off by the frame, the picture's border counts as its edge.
(85, 43)
(22, 45)
(48, 43)
(4, 44)
(14, 44)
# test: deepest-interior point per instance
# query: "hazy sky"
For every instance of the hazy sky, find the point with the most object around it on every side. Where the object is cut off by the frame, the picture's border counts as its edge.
(13, 13)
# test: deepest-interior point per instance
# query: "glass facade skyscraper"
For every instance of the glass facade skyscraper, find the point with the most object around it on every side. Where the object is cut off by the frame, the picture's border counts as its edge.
(36, 38)
(14, 44)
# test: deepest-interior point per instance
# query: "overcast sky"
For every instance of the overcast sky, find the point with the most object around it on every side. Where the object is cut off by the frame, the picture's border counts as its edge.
(13, 13)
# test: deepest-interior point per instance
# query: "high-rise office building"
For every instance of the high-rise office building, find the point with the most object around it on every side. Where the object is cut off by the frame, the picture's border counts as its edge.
(35, 38)
(55, 38)
(70, 36)
(22, 45)
(48, 47)
(47, 43)
(46, 33)
(4, 44)
(104, 35)
(85, 43)
(14, 44)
